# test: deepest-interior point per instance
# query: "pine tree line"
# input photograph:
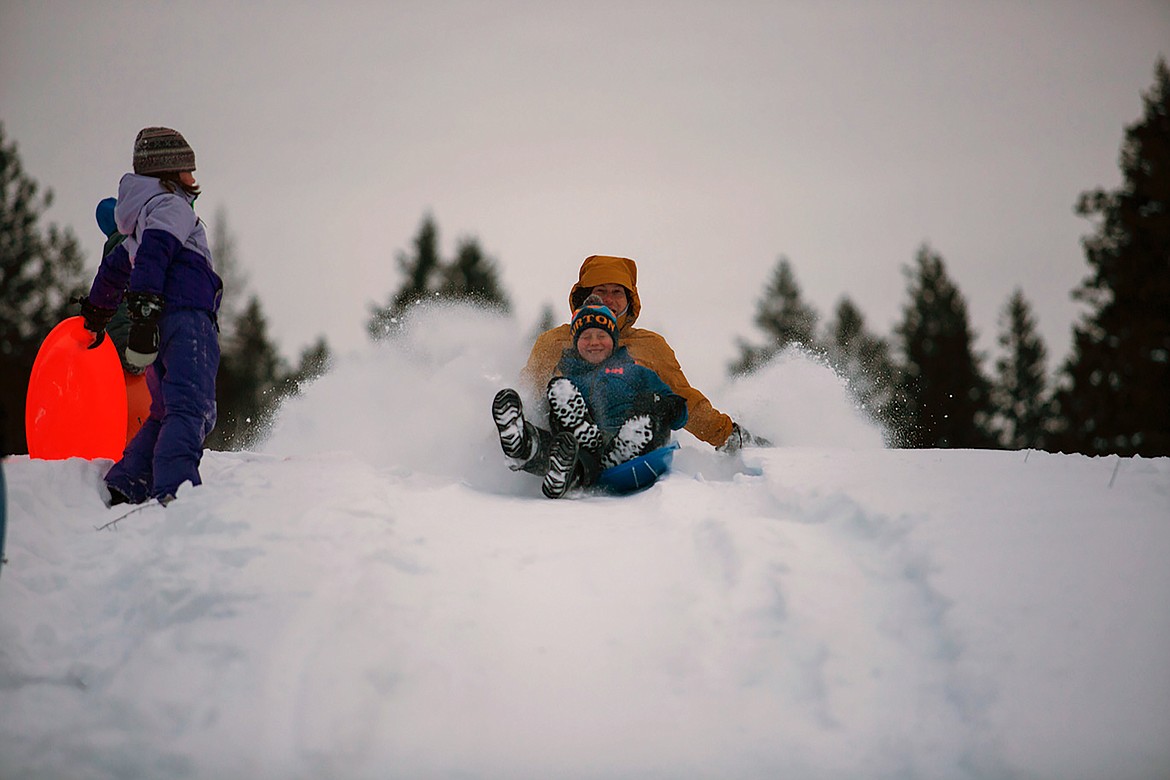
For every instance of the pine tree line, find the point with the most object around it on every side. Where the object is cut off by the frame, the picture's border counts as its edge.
(1115, 392)
(41, 270)
(925, 383)
(253, 377)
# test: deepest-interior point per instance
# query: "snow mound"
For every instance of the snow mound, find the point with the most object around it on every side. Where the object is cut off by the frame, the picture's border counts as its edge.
(375, 595)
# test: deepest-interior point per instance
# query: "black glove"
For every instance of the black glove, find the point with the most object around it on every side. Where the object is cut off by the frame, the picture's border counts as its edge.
(740, 438)
(96, 318)
(142, 344)
(663, 411)
(669, 408)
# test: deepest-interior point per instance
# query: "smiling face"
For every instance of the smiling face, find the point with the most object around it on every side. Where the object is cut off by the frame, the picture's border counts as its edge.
(594, 345)
(613, 296)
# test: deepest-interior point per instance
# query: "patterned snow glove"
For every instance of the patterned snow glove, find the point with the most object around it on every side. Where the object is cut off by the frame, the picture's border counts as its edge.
(96, 318)
(142, 343)
(740, 438)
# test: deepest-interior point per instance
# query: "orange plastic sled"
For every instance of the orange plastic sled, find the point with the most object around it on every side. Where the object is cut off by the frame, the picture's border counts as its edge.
(76, 405)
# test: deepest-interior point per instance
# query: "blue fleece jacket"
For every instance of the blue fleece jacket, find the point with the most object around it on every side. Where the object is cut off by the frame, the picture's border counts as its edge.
(617, 388)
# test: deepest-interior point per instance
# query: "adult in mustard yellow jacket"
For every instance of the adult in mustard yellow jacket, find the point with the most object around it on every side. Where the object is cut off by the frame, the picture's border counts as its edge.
(615, 280)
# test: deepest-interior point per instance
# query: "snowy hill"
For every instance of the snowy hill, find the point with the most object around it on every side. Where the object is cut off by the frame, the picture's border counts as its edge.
(375, 595)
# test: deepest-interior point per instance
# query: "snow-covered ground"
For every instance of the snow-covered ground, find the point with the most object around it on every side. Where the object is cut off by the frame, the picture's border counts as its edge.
(374, 595)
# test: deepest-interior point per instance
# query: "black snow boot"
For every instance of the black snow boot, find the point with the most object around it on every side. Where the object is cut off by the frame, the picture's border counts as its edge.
(569, 466)
(508, 414)
(116, 497)
(563, 466)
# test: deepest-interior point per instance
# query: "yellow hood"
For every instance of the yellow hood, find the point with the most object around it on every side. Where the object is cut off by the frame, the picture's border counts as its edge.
(605, 269)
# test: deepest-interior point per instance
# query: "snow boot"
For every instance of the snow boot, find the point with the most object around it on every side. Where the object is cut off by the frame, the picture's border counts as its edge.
(569, 412)
(508, 414)
(563, 466)
(116, 497)
(633, 439)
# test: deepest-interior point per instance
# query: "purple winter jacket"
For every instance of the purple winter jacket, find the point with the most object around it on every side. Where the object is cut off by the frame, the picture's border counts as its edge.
(165, 251)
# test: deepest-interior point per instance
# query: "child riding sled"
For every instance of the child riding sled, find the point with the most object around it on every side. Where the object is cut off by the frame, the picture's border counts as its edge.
(604, 409)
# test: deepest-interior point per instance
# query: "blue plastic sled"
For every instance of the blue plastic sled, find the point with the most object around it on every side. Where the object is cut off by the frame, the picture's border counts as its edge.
(639, 473)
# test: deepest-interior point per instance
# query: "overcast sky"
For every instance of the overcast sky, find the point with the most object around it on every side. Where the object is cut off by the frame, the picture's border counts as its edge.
(703, 139)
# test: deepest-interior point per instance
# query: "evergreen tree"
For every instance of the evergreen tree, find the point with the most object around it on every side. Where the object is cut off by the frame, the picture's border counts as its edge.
(471, 277)
(251, 373)
(783, 316)
(420, 269)
(253, 377)
(227, 264)
(41, 270)
(1116, 386)
(1019, 394)
(545, 322)
(944, 388)
(315, 362)
(865, 363)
